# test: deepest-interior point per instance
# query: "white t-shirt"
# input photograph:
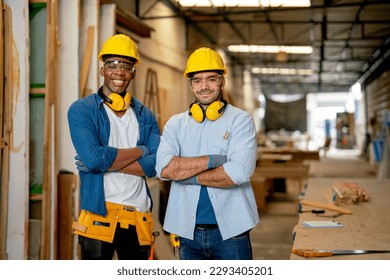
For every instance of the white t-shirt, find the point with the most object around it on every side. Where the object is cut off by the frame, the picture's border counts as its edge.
(118, 187)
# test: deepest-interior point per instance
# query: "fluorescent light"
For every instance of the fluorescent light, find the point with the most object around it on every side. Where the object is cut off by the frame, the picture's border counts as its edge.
(271, 49)
(281, 71)
(244, 3)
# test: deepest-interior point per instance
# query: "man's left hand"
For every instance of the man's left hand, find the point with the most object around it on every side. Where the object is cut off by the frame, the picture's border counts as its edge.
(80, 165)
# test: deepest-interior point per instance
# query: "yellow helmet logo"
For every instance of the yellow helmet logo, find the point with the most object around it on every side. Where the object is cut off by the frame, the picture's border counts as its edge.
(204, 59)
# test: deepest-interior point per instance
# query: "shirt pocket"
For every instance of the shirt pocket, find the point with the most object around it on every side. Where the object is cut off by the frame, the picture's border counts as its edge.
(220, 144)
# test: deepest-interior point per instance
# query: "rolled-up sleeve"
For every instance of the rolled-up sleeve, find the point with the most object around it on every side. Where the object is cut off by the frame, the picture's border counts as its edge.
(242, 150)
(151, 138)
(169, 147)
(96, 155)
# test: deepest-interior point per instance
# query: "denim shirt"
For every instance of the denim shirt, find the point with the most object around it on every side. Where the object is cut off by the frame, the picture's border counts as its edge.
(90, 131)
(234, 135)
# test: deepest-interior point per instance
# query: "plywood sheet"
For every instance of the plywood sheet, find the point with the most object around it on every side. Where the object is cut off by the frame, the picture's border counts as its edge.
(367, 228)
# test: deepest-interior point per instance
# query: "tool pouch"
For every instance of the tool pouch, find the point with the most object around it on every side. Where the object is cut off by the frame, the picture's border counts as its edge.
(144, 227)
(103, 228)
(95, 226)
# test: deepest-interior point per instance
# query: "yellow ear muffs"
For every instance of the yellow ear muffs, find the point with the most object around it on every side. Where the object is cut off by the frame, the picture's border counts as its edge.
(115, 101)
(213, 111)
(119, 103)
(197, 112)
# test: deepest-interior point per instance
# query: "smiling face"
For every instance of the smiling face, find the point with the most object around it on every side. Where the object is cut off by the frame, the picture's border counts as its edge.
(206, 87)
(118, 73)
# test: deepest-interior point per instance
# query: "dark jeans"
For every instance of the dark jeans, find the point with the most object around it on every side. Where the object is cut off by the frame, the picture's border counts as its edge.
(208, 245)
(125, 244)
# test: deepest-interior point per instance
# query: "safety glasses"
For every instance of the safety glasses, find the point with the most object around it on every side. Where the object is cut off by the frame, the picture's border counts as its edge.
(211, 81)
(118, 65)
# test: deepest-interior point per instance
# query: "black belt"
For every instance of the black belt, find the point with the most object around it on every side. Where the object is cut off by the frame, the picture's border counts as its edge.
(206, 226)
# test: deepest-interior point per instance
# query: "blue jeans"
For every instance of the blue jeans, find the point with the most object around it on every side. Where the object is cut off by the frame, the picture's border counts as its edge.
(208, 245)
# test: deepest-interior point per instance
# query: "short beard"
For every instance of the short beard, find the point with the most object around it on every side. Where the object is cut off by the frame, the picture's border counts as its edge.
(208, 102)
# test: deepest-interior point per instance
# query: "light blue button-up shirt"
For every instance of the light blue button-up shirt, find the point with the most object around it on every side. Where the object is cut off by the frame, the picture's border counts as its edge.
(234, 135)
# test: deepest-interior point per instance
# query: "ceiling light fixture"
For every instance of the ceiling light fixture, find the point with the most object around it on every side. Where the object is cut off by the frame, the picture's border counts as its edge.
(270, 49)
(281, 71)
(244, 3)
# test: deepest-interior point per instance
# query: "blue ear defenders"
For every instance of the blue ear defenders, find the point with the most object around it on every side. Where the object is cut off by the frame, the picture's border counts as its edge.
(212, 112)
(115, 101)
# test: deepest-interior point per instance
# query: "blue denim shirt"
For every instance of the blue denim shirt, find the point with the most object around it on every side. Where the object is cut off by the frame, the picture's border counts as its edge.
(234, 135)
(90, 131)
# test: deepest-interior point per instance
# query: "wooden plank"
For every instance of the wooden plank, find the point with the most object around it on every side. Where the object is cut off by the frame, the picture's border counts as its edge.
(38, 91)
(90, 13)
(48, 186)
(37, 1)
(3, 189)
(66, 187)
(53, 99)
(295, 153)
(86, 60)
(5, 104)
(280, 163)
(132, 23)
(320, 205)
(277, 156)
(284, 172)
(36, 196)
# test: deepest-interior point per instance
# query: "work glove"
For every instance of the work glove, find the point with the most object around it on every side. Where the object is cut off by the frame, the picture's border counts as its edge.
(145, 150)
(189, 181)
(216, 160)
(80, 165)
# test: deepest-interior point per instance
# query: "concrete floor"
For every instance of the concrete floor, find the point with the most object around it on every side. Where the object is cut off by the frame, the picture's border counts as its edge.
(272, 238)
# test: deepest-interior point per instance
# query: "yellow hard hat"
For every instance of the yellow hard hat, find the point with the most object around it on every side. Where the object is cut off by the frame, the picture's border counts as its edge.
(204, 59)
(122, 45)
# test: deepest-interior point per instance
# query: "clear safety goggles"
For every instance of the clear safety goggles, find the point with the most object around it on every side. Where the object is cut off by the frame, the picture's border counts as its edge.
(197, 82)
(116, 65)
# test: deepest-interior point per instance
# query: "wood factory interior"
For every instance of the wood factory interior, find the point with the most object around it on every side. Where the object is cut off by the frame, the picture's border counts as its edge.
(314, 75)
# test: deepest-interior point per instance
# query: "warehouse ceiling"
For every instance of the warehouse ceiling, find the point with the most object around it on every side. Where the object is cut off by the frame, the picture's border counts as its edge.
(349, 39)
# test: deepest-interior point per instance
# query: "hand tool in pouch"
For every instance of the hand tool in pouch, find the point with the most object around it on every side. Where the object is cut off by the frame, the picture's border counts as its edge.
(155, 234)
(175, 241)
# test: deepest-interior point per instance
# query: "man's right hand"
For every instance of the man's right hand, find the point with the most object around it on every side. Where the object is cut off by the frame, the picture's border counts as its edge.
(189, 181)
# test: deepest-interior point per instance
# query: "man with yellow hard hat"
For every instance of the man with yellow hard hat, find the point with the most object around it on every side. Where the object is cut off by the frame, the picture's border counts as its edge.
(209, 154)
(116, 139)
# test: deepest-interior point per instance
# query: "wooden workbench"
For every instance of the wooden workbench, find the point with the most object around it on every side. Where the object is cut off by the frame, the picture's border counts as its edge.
(281, 163)
(295, 154)
(367, 228)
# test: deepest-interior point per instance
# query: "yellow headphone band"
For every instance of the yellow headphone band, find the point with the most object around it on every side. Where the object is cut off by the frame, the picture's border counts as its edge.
(212, 112)
(115, 101)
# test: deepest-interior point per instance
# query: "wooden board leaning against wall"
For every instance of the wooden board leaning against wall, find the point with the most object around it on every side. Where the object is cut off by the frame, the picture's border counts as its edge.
(4, 125)
(49, 92)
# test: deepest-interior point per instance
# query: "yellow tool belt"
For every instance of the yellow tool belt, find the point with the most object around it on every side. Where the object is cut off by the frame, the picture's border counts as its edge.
(103, 228)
